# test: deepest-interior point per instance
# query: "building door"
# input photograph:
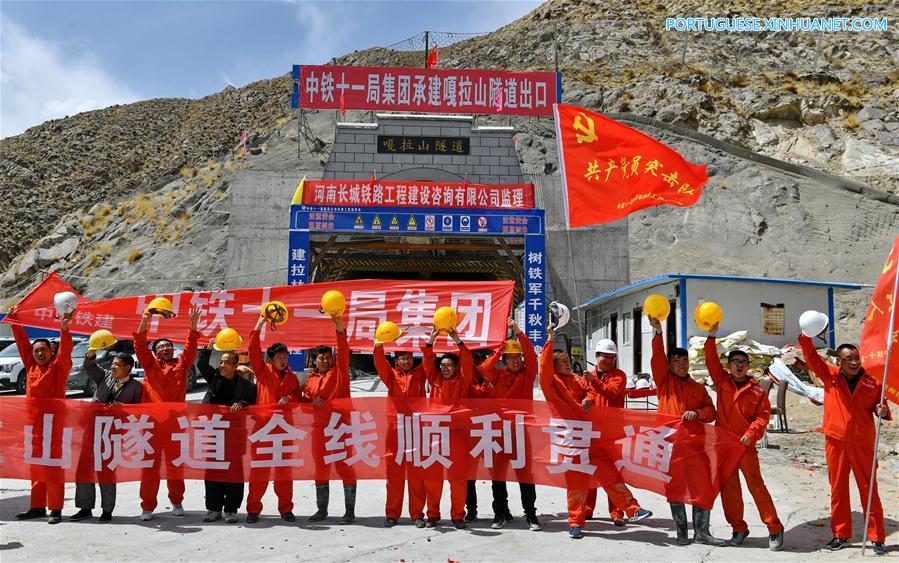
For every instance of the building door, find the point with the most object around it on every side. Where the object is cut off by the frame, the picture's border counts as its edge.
(671, 327)
(637, 340)
(613, 328)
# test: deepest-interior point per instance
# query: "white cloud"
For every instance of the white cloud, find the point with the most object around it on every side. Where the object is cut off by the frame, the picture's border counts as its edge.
(40, 80)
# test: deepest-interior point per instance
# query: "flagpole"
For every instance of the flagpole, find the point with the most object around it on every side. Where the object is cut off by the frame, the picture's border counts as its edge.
(577, 296)
(883, 388)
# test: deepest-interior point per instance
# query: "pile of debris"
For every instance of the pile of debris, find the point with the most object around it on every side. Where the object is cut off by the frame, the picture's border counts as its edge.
(760, 355)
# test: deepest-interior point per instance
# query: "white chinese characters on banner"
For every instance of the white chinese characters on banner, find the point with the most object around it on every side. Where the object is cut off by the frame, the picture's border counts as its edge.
(129, 446)
(423, 439)
(417, 309)
(359, 435)
(202, 442)
(367, 309)
(215, 305)
(278, 433)
(504, 440)
(570, 445)
(473, 310)
(45, 457)
(646, 452)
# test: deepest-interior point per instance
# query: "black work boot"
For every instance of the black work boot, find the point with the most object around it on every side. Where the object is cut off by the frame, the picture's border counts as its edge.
(32, 513)
(349, 502)
(701, 533)
(322, 493)
(679, 515)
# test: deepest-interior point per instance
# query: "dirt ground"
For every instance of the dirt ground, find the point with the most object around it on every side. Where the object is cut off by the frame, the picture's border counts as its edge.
(793, 467)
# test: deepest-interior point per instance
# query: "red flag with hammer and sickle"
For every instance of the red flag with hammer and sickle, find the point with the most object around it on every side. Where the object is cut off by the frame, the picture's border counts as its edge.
(610, 170)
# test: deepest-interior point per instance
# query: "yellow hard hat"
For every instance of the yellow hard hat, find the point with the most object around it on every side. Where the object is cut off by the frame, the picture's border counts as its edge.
(162, 307)
(512, 347)
(333, 303)
(387, 332)
(227, 340)
(100, 339)
(445, 319)
(707, 315)
(656, 307)
(275, 312)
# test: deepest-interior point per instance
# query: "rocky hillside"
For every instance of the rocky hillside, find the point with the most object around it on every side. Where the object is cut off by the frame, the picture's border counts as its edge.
(142, 191)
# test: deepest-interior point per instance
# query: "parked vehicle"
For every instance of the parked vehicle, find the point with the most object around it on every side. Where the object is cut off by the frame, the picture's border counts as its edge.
(12, 370)
(6, 343)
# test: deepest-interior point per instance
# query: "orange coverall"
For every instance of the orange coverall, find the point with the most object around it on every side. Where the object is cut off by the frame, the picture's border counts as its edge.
(271, 386)
(402, 385)
(45, 382)
(848, 442)
(335, 384)
(571, 389)
(744, 410)
(513, 385)
(164, 382)
(608, 390)
(448, 391)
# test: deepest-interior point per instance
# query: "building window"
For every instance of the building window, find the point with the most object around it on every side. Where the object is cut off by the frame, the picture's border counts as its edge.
(628, 327)
(773, 319)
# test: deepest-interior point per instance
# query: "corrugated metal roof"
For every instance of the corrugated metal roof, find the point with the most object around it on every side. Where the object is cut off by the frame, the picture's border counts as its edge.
(665, 278)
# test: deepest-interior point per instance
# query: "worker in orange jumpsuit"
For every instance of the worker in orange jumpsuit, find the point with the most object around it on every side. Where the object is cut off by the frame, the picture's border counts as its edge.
(851, 396)
(744, 409)
(561, 386)
(276, 384)
(45, 378)
(480, 389)
(452, 383)
(165, 381)
(514, 381)
(330, 380)
(681, 395)
(608, 386)
(405, 381)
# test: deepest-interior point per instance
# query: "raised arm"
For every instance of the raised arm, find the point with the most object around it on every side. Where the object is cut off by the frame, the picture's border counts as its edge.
(545, 373)
(189, 354)
(206, 370)
(254, 351)
(385, 372)
(142, 350)
(91, 368)
(63, 357)
(488, 368)
(23, 345)
(716, 370)
(530, 355)
(815, 362)
(427, 362)
(659, 363)
(343, 356)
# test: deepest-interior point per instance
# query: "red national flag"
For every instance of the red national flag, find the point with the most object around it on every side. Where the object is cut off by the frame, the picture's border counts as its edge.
(610, 170)
(881, 320)
(342, 103)
(432, 58)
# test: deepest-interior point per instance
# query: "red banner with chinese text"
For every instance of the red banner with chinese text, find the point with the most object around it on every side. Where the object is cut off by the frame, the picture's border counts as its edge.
(483, 310)
(610, 170)
(873, 345)
(455, 195)
(443, 90)
(367, 438)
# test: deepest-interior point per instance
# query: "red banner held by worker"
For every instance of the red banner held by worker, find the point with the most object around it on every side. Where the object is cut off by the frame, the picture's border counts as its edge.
(368, 438)
(431, 90)
(483, 310)
(610, 170)
(873, 345)
(452, 195)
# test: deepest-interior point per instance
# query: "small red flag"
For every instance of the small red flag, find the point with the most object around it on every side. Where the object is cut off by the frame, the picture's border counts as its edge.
(432, 58)
(875, 331)
(610, 170)
(342, 103)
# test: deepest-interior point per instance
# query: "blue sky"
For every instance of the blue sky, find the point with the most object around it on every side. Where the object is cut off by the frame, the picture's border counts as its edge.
(62, 58)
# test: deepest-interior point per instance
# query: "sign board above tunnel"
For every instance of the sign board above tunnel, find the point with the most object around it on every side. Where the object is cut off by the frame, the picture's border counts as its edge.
(443, 90)
(452, 195)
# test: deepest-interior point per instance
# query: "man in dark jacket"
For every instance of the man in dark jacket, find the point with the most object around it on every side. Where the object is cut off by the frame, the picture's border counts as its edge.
(228, 388)
(114, 386)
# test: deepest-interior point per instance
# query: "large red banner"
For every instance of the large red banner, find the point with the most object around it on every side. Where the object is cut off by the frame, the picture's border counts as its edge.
(457, 195)
(368, 438)
(875, 331)
(483, 310)
(444, 90)
(610, 170)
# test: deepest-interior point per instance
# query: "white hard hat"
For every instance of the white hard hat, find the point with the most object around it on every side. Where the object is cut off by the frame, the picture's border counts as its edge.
(813, 323)
(65, 302)
(642, 384)
(606, 346)
(561, 312)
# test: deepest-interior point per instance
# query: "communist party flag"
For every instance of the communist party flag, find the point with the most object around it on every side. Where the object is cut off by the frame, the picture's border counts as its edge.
(881, 320)
(610, 170)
